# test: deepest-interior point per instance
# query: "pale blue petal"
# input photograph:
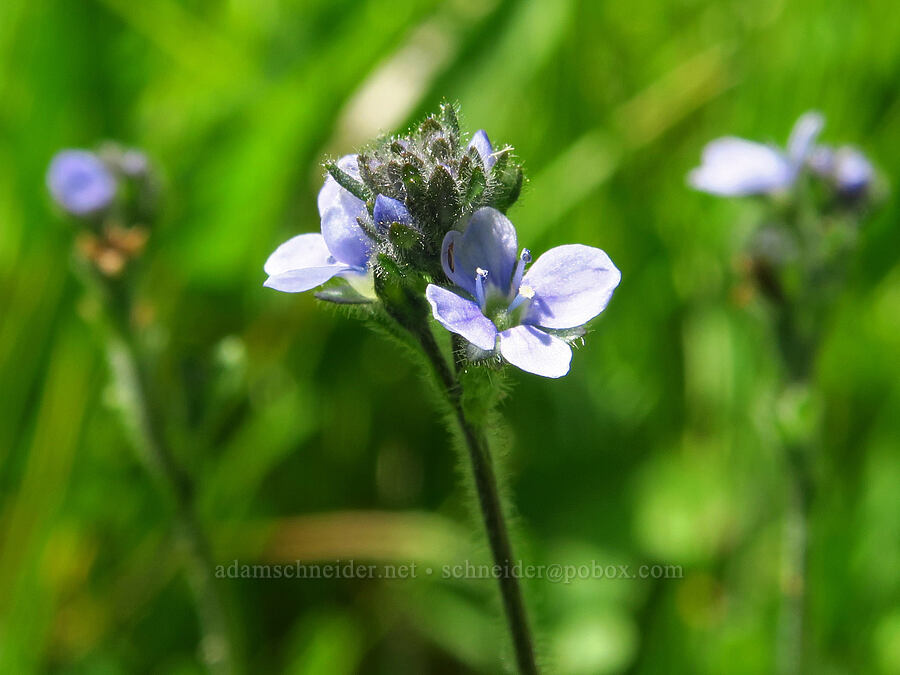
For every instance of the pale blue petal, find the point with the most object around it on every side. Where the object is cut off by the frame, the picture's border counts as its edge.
(339, 210)
(489, 242)
(535, 351)
(80, 182)
(461, 316)
(388, 210)
(304, 250)
(299, 280)
(362, 280)
(482, 144)
(735, 167)
(572, 284)
(301, 263)
(852, 171)
(803, 136)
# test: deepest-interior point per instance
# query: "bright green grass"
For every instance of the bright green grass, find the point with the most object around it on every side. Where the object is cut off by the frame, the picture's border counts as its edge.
(657, 448)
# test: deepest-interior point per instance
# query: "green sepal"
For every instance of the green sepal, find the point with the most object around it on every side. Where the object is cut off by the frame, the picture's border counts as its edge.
(474, 181)
(450, 122)
(429, 127)
(443, 199)
(343, 294)
(416, 193)
(441, 150)
(366, 225)
(403, 236)
(367, 175)
(402, 297)
(348, 182)
(506, 179)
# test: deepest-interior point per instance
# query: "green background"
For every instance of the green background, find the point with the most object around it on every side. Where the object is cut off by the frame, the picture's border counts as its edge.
(311, 438)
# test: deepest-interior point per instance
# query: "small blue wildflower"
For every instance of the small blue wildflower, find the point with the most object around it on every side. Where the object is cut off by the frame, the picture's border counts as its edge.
(509, 309)
(482, 144)
(342, 249)
(852, 171)
(737, 167)
(388, 210)
(80, 182)
(847, 168)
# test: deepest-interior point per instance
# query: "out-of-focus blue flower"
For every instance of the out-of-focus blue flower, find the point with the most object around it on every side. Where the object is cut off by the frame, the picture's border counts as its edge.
(508, 309)
(342, 249)
(847, 167)
(389, 210)
(482, 144)
(734, 167)
(80, 182)
(852, 171)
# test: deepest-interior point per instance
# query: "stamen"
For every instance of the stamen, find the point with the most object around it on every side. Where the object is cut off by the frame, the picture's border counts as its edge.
(450, 263)
(526, 293)
(524, 259)
(480, 276)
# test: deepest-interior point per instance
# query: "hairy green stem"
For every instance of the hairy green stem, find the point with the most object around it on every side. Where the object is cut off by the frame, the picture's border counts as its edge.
(791, 646)
(791, 629)
(491, 506)
(217, 647)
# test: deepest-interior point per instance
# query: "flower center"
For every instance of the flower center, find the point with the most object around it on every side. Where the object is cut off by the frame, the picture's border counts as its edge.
(509, 310)
(523, 298)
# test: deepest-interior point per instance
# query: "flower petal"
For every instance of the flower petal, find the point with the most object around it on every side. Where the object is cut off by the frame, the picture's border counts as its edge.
(489, 242)
(461, 316)
(388, 210)
(361, 280)
(304, 250)
(736, 167)
(852, 171)
(80, 182)
(299, 280)
(535, 351)
(301, 263)
(803, 136)
(339, 210)
(572, 284)
(482, 144)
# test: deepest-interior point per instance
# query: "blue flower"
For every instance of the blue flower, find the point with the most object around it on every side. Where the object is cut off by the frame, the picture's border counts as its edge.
(80, 182)
(737, 167)
(342, 249)
(482, 144)
(852, 171)
(508, 309)
(848, 168)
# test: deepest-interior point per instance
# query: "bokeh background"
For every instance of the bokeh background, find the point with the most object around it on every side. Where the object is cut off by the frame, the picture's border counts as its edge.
(310, 438)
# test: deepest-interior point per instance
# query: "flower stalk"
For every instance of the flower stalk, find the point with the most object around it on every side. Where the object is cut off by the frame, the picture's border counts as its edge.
(798, 445)
(413, 229)
(490, 503)
(130, 380)
(112, 196)
(797, 261)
